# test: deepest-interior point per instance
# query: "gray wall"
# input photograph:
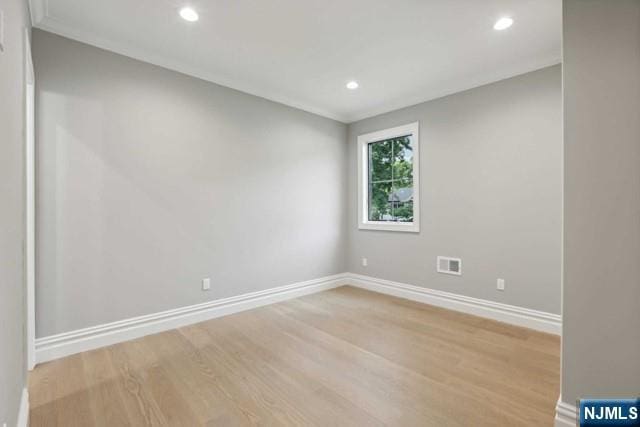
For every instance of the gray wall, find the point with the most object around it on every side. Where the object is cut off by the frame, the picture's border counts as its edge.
(12, 190)
(149, 181)
(490, 184)
(133, 214)
(601, 290)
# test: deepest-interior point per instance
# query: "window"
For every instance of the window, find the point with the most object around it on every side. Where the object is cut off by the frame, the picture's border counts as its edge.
(388, 177)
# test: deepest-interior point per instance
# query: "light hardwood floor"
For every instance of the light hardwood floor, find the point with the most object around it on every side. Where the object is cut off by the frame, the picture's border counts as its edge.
(345, 357)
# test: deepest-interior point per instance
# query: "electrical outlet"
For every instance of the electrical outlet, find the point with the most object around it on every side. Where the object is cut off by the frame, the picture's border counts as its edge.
(206, 284)
(365, 262)
(500, 285)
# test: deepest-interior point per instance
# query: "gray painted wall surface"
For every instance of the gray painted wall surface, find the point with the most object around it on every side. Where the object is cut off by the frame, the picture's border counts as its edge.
(490, 165)
(149, 181)
(12, 190)
(601, 290)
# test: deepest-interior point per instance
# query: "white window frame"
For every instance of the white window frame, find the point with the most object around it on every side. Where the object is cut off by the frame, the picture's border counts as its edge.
(363, 179)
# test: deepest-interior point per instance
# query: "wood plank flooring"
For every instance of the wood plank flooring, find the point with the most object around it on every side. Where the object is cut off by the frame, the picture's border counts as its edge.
(344, 357)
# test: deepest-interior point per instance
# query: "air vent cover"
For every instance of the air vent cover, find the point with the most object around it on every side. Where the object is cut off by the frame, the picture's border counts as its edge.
(448, 265)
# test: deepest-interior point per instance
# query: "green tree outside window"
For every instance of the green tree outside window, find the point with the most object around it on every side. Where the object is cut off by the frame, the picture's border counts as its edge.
(391, 180)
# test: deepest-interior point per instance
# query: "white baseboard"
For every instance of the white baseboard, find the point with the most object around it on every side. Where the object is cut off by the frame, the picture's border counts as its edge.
(519, 316)
(566, 415)
(68, 343)
(23, 414)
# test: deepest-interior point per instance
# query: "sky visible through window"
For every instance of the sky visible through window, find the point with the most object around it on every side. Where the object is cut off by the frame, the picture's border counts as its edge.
(391, 180)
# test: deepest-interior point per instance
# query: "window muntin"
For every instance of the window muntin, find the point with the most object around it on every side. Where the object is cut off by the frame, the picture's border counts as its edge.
(390, 176)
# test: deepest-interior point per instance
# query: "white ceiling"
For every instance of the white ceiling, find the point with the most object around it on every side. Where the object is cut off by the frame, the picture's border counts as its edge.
(303, 52)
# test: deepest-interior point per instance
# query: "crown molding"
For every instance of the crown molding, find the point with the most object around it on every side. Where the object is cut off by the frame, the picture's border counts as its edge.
(42, 19)
(450, 88)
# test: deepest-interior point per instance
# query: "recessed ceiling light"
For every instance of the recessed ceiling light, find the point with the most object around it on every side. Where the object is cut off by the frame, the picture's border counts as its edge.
(189, 14)
(503, 24)
(352, 85)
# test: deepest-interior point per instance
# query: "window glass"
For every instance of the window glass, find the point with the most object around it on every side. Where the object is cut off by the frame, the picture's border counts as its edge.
(390, 176)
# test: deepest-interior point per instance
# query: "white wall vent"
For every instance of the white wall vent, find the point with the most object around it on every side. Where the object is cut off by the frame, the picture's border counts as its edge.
(448, 265)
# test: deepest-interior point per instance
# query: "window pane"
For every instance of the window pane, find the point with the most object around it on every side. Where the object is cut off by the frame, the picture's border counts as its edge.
(390, 202)
(402, 160)
(401, 201)
(401, 197)
(391, 180)
(379, 207)
(380, 160)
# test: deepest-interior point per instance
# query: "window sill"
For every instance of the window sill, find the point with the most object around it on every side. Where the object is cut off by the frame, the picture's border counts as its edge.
(410, 227)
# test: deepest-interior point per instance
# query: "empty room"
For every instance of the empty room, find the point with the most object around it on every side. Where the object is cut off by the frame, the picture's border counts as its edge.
(319, 213)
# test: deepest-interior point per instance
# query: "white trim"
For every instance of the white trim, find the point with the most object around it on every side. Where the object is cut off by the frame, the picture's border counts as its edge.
(412, 129)
(42, 20)
(519, 316)
(65, 344)
(456, 85)
(23, 414)
(30, 174)
(566, 414)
